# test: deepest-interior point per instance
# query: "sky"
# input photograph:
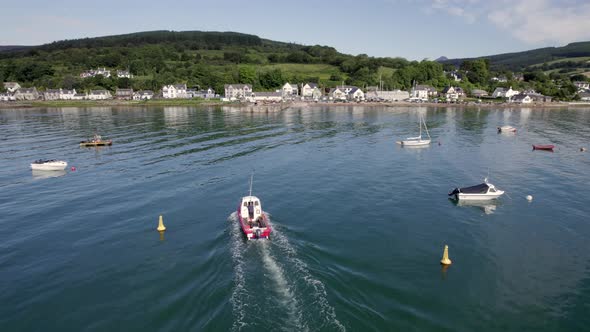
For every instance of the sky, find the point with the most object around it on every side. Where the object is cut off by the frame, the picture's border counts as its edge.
(413, 29)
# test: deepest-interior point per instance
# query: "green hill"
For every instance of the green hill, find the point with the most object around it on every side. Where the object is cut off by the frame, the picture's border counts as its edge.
(520, 61)
(196, 58)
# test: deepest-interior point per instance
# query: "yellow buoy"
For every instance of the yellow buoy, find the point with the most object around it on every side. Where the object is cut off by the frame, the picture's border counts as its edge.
(161, 226)
(445, 259)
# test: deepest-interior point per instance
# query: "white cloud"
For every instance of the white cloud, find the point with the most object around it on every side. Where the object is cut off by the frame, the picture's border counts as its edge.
(530, 21)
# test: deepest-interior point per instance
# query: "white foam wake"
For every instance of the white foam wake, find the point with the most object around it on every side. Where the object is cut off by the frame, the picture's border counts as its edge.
(318, 290)
(286, 296)
(240, 292)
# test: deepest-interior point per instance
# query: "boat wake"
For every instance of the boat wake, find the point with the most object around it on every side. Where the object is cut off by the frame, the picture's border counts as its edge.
(312, 286)
(294, 290)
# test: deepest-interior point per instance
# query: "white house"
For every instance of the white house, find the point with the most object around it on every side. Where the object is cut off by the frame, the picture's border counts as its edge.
(453, 93)
(307, 90)
(504, 93)
(290, 90)
(521, 99)
(99, 95)
(356, 94)
(65, 94)
(423, 92)
(395, 95)
(26, 94)
(79, 96)
(237, 91)
(582, 85)
(124, 73)
(6, 97)
(337, 94)
(501, 79)
(584, 96)
(143, 95)
(11, 87)
(266, 96)
(174, 91)
(51, 94)
(456, 76)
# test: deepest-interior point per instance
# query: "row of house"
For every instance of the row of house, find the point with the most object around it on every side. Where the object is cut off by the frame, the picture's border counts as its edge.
(105, 73)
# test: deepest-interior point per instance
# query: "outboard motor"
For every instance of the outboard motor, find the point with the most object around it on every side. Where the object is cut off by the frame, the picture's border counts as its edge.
(258, 234)
(454, 192)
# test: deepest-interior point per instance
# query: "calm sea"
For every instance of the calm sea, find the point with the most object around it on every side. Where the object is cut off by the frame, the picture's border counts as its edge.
(359, 222)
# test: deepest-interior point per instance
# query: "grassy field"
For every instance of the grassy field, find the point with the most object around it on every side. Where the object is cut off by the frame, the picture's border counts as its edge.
(582, 59)
(322, 71)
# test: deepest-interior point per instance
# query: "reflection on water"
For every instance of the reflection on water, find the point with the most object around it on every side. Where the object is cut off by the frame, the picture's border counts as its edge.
(487, 206)
(38, 175)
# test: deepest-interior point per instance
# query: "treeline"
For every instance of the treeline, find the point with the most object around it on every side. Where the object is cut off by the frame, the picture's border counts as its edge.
(211, 59)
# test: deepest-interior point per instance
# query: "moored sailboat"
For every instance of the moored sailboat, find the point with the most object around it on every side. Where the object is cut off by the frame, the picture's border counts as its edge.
(418, 140)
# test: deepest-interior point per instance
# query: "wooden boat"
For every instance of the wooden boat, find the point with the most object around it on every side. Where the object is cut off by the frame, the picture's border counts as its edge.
(96, 143)
(253, 220)
(548, 147)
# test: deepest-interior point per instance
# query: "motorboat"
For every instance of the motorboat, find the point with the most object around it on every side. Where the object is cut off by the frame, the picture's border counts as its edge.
(547, 147)
(418, 140)
(483, 191)
(49, 165)
(96, 141)
(506, 129)
(253, 220)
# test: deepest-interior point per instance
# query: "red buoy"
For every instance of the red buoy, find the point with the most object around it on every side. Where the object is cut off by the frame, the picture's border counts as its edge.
(73, 168)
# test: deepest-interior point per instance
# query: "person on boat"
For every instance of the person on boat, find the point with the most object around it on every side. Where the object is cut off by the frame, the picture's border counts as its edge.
(96, 138)
(251, 210)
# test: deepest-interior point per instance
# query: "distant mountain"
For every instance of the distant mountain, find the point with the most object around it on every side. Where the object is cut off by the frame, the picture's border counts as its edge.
(13, 48)
(441, 59)
(518, 61)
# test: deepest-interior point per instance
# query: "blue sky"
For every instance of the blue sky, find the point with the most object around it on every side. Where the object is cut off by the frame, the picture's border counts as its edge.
(414, 29)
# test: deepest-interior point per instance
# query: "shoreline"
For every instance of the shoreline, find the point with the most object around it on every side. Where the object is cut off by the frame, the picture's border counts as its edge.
(281, 106)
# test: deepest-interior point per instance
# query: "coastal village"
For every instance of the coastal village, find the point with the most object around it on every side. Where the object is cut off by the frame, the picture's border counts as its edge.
(308, 91)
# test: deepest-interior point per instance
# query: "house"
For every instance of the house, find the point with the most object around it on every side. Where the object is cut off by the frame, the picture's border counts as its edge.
(290, 90)
(65, 94)
(26, 94)
(504, 93)
(6, 97)
(99, 71)
(582, 85)
(521, 99)
(209, 93)
(584, 96)
(395, 95)
(174, 91)
(237, 91)
(337, 94)
(124, 94)
(456, 76)
(124, 74)
(308, 89)
(99, 95)
(143, 95)
(51, 94)
(79, 96)
(453, 93)
(356, 94)
(11, 87)
(266, 96)
(423, 92)
(499, 79)
(477, 93)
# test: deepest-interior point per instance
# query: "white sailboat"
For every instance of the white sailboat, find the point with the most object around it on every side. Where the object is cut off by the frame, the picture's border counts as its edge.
(418, 140)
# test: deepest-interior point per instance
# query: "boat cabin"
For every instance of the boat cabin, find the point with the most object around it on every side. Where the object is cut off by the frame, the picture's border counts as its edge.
(251, 208)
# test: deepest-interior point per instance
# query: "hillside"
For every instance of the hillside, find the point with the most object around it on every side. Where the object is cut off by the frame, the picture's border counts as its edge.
(520, 61)
(196, 58)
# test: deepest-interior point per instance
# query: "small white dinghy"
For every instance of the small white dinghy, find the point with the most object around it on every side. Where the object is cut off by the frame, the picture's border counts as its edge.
(417, 141)
(49, 165)
(506, 129)
(484, 191)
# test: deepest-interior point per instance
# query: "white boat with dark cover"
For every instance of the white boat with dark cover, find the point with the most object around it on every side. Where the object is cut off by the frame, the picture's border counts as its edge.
(49, 165)
(484, 191)
(506, 129)
(418, 140)
(252, 218)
